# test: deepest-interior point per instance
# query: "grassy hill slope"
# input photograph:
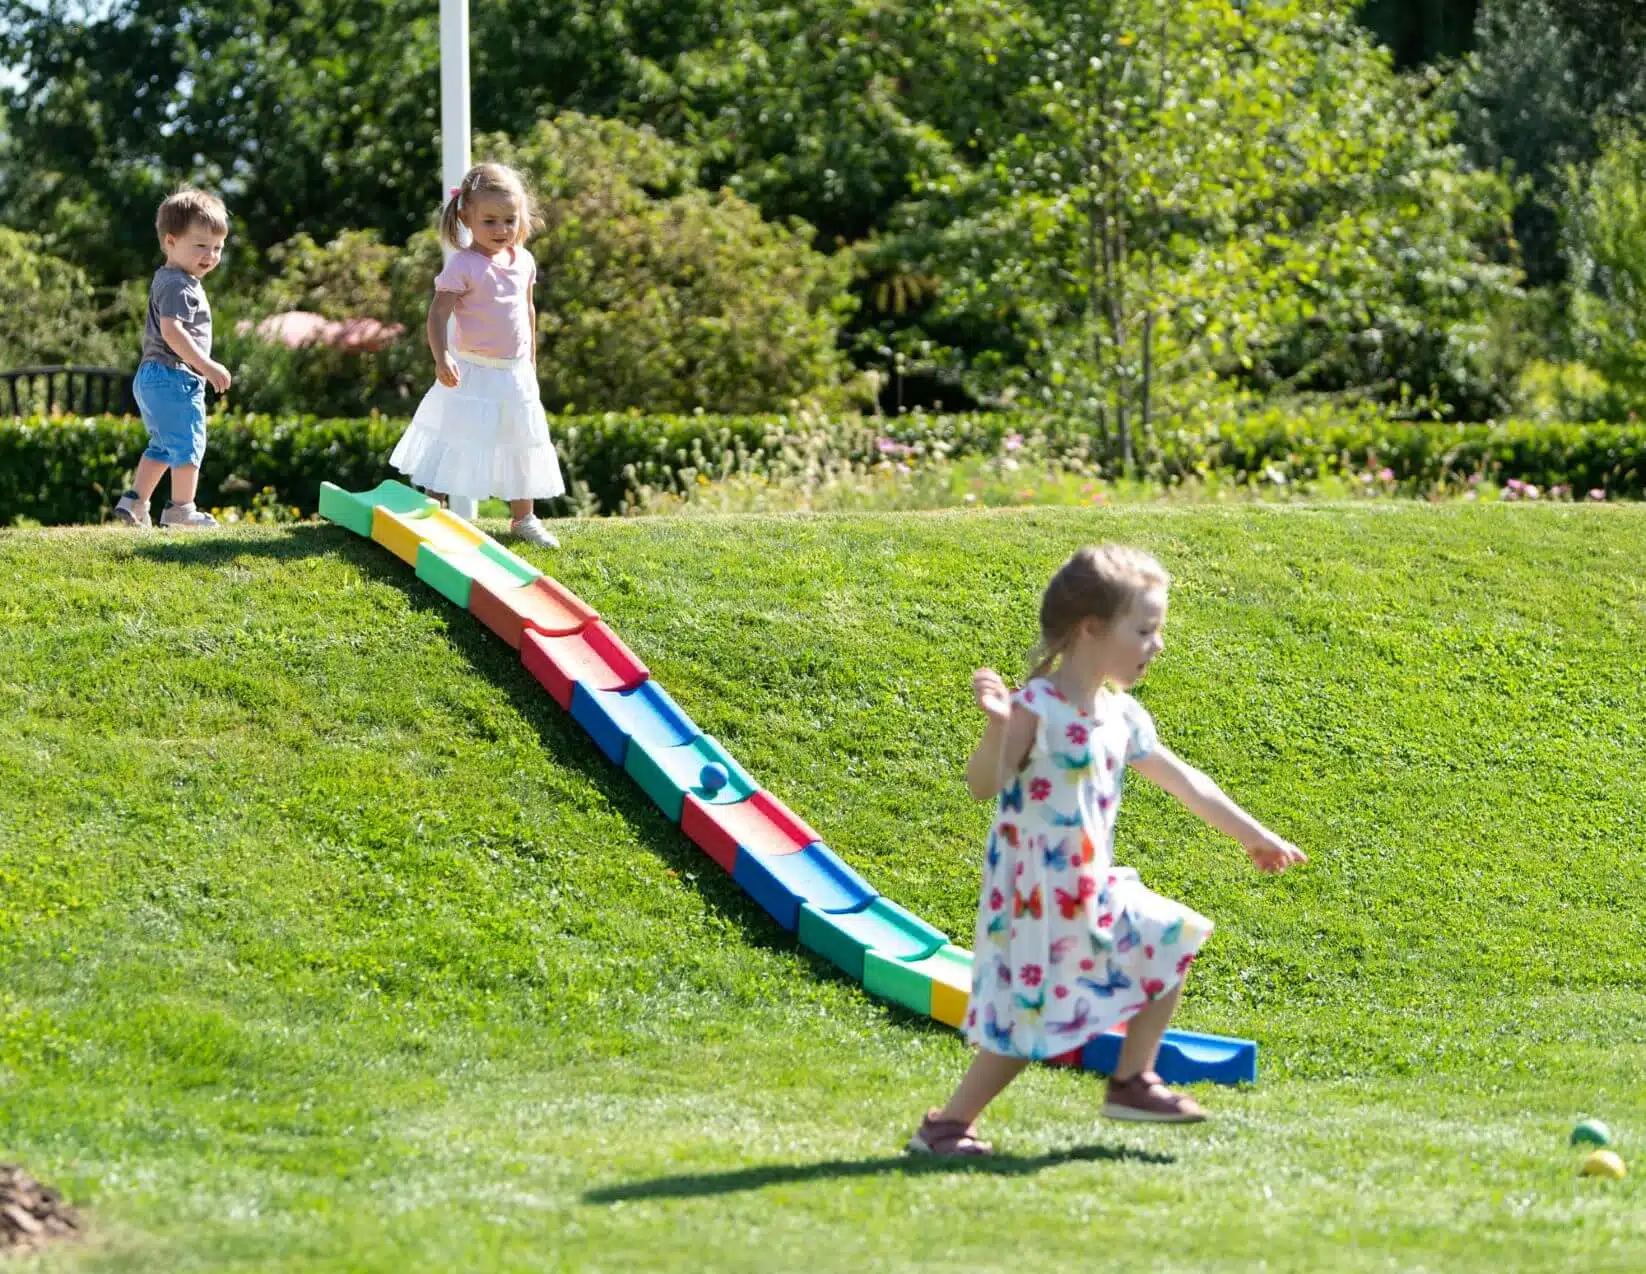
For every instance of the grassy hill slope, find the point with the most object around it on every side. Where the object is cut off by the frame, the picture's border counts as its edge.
(329, 943)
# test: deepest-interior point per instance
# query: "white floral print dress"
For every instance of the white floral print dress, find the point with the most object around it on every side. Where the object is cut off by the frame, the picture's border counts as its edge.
(1068, 945)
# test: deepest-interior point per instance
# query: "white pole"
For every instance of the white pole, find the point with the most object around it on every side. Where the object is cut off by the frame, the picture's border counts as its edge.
(454, 93)
(454, 137)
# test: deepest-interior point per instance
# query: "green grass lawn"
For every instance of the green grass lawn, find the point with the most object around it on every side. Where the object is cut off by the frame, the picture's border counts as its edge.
(328, 943)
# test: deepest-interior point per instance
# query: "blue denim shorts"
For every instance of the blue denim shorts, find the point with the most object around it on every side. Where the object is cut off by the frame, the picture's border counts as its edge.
(173, 403)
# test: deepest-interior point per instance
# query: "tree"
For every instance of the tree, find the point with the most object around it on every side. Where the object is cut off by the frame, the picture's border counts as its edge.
(48, 311)
(1196, 190)
(1419, 32)
(1545, 81)
(308, 115)
(1605, 235)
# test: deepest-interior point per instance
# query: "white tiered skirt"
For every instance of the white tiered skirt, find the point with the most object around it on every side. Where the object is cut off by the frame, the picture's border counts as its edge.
(487, 437)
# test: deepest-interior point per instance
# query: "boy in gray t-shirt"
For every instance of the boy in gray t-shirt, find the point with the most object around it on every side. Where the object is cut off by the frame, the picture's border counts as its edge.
(170, 386)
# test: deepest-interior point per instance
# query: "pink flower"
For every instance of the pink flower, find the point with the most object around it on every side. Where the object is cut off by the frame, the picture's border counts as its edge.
(1152, 987)
(997, 900)
(1077, 733)
(887, 447)
(1599, 493)
(1385, 475)
(1148, 951)
(1087, 965)
(1060, 991)
(1029, 975)
(1040, 789)
(1184, 963)
(1013, 441)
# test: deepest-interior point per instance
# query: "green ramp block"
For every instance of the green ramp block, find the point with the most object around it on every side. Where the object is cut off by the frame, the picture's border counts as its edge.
(666, 774)
(878, 925)
(453, 573)
(351, 510)
(927, 986)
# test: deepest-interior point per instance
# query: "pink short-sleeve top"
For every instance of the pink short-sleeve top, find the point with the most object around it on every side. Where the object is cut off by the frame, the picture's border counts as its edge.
(493, 296)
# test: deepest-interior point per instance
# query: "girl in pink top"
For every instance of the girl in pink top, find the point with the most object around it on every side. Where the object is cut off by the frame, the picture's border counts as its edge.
(481, 430)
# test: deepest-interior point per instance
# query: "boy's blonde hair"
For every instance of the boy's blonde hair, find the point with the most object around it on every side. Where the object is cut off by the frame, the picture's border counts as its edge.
(186, 208)
(1100, 582)
(497, 181)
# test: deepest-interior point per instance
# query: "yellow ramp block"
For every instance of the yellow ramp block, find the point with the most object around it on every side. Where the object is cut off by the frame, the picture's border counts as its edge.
(951, 989)
(401, 533)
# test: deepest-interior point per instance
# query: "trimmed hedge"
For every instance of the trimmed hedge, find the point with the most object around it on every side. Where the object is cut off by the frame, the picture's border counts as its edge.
(57, 471)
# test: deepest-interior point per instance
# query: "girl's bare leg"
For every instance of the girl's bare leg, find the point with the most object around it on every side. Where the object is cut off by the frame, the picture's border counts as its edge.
(984, 1080)
(1144, 1033)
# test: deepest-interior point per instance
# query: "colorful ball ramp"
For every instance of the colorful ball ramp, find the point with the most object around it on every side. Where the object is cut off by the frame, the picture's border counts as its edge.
(766, 847)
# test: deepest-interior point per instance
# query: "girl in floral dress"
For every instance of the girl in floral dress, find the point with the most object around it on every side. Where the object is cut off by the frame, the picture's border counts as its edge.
(1067, 944)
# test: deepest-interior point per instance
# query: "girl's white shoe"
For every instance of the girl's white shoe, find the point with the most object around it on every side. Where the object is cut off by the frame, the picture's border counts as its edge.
(532, 530)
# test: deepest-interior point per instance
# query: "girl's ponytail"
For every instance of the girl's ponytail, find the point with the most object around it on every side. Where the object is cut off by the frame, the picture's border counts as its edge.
(451, 228)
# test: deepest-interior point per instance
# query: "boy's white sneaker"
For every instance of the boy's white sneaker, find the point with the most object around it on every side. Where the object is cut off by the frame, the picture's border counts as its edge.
(133, 510)
(532, 530)
(185, 517)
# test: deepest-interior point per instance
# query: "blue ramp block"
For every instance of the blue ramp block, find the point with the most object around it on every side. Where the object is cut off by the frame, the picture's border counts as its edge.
(1185, 1058)
(782, 883)
(613, 717)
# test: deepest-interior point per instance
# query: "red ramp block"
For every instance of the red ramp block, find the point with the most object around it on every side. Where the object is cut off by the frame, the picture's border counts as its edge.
(544, 606)
(593, 656)
(762, 824)
(936, 987)
(783, 883)
(879, 925)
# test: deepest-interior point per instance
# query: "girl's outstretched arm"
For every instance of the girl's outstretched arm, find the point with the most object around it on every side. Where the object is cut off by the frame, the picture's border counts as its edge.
(1207, 801)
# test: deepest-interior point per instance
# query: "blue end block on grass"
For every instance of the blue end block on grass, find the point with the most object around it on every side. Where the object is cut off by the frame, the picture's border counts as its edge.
(647, 713)
(783, 883)
(1185, 1058)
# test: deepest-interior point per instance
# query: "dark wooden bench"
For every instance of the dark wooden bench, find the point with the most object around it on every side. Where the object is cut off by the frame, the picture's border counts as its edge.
(78, 391)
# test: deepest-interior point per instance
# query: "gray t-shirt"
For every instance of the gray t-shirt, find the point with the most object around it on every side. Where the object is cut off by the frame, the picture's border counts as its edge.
(176, 294)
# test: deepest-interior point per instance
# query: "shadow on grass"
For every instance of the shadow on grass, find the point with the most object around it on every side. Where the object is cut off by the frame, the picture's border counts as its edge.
(209, 548)
(694, 1185)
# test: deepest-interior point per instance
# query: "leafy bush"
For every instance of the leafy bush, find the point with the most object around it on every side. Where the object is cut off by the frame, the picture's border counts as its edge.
(57, 471)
